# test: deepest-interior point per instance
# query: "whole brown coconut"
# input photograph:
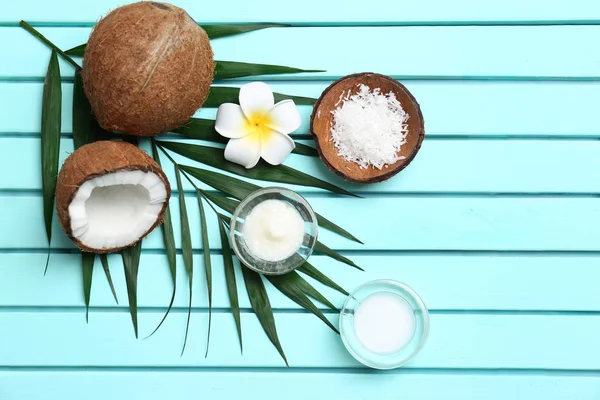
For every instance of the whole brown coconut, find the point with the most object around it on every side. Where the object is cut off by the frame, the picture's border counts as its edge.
(147, 68)
(110, 195)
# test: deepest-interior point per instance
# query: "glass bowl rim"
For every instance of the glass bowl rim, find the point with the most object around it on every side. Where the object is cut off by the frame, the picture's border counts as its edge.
(406, 289)
(260, 192)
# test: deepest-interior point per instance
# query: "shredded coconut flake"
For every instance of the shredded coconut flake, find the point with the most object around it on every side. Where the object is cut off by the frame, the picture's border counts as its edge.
(369, 128)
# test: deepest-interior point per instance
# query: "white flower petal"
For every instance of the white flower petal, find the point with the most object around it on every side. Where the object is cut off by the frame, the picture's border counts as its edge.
(276, 148)
(244, 151)
(284, 117)
(231, 121)
(256, 98)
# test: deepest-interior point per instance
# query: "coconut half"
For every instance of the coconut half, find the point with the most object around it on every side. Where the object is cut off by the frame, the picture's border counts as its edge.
(110, 195)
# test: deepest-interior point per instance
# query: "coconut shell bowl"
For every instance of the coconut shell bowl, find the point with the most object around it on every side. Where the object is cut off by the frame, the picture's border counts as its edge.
(322, 117)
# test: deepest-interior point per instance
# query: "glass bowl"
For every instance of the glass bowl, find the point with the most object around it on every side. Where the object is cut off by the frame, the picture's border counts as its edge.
(240, 247)
(384, 360)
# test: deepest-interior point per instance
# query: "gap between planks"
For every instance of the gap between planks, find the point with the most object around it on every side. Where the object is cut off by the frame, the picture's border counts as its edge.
(350, 253)
(428, 136)
(345, 24)
(223, 310)
(308, 370)
(329, 78)
(366, 194)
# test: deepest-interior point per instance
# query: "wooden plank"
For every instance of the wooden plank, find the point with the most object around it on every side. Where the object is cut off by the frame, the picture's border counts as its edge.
(414, 385)
(450, 107)
(435, 52)
(456, 166)
(412, 223)
(471, 329)
(446, 282)
(427, 11)
(60, 338)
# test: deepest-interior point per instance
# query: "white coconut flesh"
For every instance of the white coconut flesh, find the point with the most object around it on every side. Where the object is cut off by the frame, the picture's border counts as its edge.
(116, 209)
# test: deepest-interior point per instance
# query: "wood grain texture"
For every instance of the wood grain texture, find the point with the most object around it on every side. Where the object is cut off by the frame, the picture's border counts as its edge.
(382, 11)
(460, 281)
(297, 385)
(418, 223)
(531, 112)
(456, 340)
(523, 52)
(495, 223)
(469, 166)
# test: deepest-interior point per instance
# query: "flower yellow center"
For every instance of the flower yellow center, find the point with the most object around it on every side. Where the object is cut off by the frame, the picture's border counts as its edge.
(257, 125)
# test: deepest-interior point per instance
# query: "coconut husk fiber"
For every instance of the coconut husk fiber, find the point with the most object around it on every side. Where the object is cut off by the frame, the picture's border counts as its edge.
(147, 68)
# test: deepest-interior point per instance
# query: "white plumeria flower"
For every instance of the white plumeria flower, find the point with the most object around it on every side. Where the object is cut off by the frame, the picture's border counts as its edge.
(257, 127)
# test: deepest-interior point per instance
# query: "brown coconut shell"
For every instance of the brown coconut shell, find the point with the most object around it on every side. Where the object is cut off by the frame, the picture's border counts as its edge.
(321, 120)
(94, 160)
(147, 68)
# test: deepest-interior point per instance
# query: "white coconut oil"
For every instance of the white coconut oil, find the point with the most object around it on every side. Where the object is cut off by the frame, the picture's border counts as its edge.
(384, 323)
(273, 230)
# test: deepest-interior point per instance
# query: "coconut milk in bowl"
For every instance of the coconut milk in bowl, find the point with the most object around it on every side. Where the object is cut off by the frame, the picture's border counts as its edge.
(384, 324)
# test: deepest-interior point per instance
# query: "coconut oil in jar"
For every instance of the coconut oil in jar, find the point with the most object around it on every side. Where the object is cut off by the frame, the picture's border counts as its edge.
(273, 230)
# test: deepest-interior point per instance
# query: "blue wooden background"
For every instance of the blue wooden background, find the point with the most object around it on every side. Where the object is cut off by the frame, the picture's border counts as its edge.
(496, 223)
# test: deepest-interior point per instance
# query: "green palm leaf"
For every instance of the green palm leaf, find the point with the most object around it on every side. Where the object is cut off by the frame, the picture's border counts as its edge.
(85, 127)
(86, 130)
(169, 242)
(304, 150)
(330, 226)
(240, 189)
(186, 248)
(309, 290)
(259, 300)
(229, 185)
(309, 270)
(207, 265)
(201, 129)
(223, 202)
(105, 266)
(280, 173)
(290, 285)
(321, 248)
(213, 32)
(87, 267)
(234, 69)
(204, 129)
(230, 280)
(48, 43)
(219, 31)
(230, 205)
(77, 51)
(226, 94)
(51, 114)
(131, 265)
